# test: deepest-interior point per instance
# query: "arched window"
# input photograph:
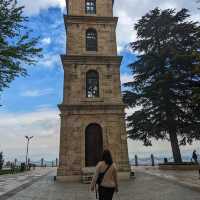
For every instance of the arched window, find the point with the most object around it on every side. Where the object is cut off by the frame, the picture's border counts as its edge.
(92, 84)
(91, 40)
(90, 6)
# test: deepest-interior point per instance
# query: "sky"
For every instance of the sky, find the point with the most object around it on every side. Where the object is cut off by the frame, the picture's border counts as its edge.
(30, 103)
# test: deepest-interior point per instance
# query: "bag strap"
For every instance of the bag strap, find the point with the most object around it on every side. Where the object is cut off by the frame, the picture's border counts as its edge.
(103, 173)
(107, 169)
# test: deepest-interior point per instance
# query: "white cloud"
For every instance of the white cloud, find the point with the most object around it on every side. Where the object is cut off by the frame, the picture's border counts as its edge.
(33, 7)
(37, 92)
(119, 49)
(129, 11)
(46, 41)
(43, 124)
(49, 61)
(126, 78)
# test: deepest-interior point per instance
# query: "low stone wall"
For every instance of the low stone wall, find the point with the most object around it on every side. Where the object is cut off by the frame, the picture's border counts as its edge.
(179, 167)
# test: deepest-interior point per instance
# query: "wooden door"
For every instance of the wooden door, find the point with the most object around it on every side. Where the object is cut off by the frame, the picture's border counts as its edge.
(93, 145)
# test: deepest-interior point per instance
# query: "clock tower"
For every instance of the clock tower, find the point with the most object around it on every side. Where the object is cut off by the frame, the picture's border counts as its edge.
(92, 111)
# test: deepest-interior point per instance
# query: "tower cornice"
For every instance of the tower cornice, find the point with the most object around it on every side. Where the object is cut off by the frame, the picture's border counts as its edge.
(83, 108)
(76, 59)
(85, 19)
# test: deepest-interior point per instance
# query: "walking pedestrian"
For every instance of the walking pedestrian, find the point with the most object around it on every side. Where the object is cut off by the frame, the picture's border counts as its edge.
(105, 177)
(195, 157)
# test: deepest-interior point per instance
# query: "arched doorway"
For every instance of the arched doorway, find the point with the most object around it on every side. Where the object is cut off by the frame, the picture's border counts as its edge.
(93, 144)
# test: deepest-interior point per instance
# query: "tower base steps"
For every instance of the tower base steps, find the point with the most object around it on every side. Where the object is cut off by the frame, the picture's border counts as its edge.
(86, 174)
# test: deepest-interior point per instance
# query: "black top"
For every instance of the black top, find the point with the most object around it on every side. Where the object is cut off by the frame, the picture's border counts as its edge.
(194, 155)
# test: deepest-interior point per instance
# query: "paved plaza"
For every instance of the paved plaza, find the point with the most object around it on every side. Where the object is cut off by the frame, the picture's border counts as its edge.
(187, 178)
(143, 187)
(12, 183)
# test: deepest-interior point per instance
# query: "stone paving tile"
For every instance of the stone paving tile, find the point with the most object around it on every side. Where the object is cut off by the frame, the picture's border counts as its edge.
(187, 178)
(9, 183)
(144, 187)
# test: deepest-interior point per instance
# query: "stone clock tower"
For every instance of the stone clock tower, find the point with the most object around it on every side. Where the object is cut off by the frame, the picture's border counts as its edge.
(92, 112)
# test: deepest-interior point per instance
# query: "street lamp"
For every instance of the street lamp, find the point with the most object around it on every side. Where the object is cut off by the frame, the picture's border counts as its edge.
(28, 140)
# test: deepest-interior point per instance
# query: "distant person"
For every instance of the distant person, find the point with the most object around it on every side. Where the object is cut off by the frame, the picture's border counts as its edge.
(195, 157)
(105, 177)
(12, 167)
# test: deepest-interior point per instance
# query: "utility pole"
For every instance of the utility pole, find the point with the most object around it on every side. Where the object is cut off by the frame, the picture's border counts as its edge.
(27, 148)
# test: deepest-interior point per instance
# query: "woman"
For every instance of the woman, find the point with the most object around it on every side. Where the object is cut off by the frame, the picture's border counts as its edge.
(109, 183)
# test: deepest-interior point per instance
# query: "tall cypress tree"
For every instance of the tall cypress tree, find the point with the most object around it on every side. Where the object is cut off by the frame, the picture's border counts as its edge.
(165, 78)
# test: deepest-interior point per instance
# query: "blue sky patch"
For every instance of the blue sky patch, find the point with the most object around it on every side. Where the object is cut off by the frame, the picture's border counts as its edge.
(44, 85)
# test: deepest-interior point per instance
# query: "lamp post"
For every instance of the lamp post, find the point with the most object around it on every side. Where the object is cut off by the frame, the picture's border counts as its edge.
(28, 141)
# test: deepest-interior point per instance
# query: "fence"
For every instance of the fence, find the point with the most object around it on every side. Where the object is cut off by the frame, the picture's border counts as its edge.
(149, 161)
(40, 163)
(152, 160)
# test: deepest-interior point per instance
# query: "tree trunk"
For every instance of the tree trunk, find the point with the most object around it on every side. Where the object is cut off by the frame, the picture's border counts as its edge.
(175, 147)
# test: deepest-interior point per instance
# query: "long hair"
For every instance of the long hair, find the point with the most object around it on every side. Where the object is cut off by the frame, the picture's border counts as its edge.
(107, 157)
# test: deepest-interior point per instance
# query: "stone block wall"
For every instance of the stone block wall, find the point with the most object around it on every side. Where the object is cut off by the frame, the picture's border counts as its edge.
(76, 35)
(77, 7)
(75, 84)
(74, 123)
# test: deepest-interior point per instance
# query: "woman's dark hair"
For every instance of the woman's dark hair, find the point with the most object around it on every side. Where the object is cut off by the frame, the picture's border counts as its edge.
(107, 157)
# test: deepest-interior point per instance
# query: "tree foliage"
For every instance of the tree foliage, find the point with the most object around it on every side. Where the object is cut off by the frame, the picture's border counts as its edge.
(17, 47)
(165, 79)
